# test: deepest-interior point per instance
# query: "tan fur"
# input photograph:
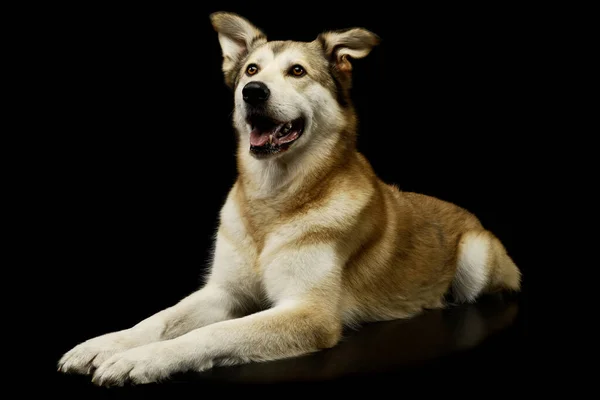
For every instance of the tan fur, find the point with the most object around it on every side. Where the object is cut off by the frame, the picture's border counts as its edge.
(399, 249)
(310, 239)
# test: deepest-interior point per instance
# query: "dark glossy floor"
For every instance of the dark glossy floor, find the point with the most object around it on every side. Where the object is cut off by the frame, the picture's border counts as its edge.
(481, 339)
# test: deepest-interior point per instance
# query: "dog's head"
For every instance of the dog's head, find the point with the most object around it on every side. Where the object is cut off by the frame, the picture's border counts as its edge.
(288, 94)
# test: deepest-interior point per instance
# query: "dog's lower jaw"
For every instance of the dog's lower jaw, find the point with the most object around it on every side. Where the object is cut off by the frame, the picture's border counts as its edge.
(268, 150)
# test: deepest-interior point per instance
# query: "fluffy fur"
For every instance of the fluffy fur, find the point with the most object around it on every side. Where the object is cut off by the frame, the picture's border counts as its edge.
(310, 240)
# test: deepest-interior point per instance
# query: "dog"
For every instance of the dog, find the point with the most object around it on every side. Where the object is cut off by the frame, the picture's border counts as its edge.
(309, 239)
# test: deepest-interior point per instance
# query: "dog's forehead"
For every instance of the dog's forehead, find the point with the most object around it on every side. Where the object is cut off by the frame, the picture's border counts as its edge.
(286, 51)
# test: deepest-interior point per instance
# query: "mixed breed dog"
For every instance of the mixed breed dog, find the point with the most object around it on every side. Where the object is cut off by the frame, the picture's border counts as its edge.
(309, 240)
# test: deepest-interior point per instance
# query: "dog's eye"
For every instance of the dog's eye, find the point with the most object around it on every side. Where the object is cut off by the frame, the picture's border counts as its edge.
(297, 70)
(252, 69)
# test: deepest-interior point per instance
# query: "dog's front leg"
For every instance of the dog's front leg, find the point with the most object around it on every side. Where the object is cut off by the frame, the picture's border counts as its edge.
(206, 306)
(305, 285)
(220, 299)
(284, 331)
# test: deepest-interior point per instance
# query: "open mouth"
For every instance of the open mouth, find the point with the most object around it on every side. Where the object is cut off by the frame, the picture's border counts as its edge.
(270, 137)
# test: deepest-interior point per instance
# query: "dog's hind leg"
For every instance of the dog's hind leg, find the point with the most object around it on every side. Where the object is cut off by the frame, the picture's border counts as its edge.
(483, 266)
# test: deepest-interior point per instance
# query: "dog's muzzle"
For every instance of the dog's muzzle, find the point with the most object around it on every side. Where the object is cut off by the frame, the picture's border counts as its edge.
(255, 93)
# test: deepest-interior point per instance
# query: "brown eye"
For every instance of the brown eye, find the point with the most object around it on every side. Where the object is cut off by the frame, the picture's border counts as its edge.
(252, 69)
(297, 70)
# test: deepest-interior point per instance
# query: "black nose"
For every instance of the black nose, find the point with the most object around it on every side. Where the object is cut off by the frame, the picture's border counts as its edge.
(255, 93)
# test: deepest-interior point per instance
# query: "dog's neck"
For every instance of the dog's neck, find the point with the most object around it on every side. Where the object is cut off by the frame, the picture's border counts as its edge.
(301, 171)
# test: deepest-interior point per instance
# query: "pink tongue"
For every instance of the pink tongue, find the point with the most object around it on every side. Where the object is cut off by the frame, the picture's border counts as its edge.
(258, 138)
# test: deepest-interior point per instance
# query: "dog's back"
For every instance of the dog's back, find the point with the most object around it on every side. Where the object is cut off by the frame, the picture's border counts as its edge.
(420, 251)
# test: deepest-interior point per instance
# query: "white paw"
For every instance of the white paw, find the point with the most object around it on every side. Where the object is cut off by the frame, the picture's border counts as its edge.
(146, 364)
(89, 355)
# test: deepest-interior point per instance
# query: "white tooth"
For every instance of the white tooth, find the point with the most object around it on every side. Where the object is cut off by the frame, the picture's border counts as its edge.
(286, 128)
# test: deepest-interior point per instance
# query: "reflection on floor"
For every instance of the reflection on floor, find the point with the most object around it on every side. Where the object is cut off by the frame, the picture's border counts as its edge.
(384, 346)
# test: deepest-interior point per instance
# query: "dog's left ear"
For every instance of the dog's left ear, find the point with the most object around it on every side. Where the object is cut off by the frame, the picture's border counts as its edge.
(339, 46)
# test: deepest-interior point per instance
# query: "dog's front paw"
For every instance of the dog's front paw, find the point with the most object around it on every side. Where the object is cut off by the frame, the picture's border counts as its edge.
(89, 355)
(146, 364)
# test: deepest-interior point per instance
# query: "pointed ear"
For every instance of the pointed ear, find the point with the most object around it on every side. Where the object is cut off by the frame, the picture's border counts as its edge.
(339, 46)
(237, 36)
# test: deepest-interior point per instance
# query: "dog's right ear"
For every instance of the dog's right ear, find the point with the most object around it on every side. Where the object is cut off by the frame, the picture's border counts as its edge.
(237, 36)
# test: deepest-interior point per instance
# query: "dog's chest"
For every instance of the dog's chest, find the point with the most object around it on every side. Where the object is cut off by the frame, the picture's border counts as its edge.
(259, 236)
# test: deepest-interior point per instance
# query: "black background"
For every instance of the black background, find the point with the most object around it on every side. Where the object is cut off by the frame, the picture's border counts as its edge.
(143, 150)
